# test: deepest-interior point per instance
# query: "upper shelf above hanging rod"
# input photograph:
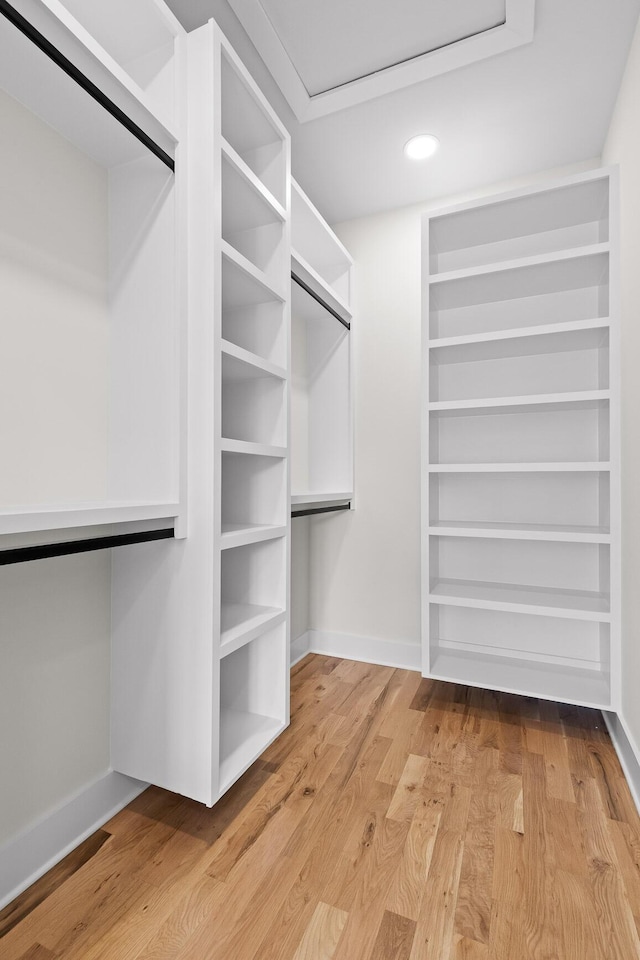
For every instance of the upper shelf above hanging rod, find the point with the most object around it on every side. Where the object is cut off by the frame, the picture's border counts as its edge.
(318, 298)
(10, 49)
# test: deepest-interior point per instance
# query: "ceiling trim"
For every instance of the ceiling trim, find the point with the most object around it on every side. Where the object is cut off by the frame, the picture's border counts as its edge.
(516, 31)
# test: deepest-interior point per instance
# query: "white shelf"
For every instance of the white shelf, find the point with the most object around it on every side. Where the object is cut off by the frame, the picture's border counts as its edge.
(241, 534)
(252, 273)
(249, 365)
(255, 449)
(520, 531)
(243, 737)
(553, 400)
(517, 264)
(521, 333)
(31, 519)
(320, 498)
(590, 467)
(546, 602)
(305, 272)
(263, 198)
(240, 623)
(589, 688)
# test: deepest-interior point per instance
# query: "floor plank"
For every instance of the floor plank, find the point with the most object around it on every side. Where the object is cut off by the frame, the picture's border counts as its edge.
(396, 819)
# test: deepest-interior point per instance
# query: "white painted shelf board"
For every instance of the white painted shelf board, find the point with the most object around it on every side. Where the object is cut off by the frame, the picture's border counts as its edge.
(263, 195)
(556, 401)
(253, 273)
(240, 534)
(516, 264)
(247, 366)
(589, 688)
(243, 737)
(242, 622)
(518, 598)
(520, 531)
(42, 517)
(321, 497)
(595, 466)
(305, 272)
(256, 449)
(521, 333)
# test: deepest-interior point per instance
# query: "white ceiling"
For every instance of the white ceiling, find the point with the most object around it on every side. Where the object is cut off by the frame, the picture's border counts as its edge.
(539, 106)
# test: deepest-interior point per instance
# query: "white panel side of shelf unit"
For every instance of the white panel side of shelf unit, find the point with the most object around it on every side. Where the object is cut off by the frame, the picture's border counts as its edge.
(164, 667)
(615, 443)
(54, 370)
(147, 320)
(299, 399)
(427, 481)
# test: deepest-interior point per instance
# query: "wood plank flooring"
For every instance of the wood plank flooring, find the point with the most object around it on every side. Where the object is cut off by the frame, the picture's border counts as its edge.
(396, 819)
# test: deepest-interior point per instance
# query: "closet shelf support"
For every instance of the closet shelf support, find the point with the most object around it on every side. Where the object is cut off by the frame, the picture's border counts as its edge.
(314, 510)
(44, 551)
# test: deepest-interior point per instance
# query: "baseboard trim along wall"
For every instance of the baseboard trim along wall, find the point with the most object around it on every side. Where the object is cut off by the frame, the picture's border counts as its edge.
(26, 858)
(628, 752)
(388, 653)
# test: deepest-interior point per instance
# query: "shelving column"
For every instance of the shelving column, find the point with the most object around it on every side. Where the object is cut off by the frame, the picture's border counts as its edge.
(521, 535)
(251, 425)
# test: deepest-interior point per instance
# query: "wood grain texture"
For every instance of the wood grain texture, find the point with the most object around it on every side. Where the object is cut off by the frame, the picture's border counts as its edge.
(396, 819)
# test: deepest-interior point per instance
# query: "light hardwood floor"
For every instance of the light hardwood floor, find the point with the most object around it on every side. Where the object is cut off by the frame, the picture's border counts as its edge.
(396, 819)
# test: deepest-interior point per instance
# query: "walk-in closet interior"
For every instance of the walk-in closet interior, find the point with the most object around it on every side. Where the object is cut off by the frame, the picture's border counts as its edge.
(271, 389)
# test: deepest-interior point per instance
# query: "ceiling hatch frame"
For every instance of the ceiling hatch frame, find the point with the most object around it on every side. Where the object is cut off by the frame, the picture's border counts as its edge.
(516, 31)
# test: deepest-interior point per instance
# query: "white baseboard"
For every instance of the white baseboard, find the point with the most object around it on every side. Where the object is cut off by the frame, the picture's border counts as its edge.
(26, 858)
(627, 750)
(387, 653)
(300, 647)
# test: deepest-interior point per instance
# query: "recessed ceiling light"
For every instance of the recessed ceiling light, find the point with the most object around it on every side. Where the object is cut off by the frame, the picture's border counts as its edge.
(419, 148)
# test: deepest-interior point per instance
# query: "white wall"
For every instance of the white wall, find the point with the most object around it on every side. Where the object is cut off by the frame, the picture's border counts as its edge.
(365, 565)
(623, 146)
(54, 614)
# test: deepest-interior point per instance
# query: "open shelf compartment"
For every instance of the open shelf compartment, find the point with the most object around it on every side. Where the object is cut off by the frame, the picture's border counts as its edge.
(548, 221)
(544, 657)
(246, 124)
(555, 363)
(253, 702)
(555, 291)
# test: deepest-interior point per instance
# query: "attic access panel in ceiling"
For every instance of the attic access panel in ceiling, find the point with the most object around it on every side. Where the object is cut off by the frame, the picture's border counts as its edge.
(330, 54)
(374, 34)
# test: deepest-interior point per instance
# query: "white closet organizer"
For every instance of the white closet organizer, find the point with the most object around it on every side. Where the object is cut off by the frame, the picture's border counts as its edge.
(521, 527)
(91, 418)
(322, 421)
(201, 652)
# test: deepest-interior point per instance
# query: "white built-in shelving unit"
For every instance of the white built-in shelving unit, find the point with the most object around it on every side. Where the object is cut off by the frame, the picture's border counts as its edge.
(202, 668)
(321, 317)
(521, 527)
(92, 420)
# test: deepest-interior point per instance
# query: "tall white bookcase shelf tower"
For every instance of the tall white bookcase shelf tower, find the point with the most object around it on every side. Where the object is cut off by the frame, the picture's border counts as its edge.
(520, 493)
(321, 317)
(201, 665)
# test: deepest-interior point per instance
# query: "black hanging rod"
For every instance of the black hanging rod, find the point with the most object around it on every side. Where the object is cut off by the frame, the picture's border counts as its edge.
(323, 303)
(313, 510)
(83, 81)
(44, 551)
